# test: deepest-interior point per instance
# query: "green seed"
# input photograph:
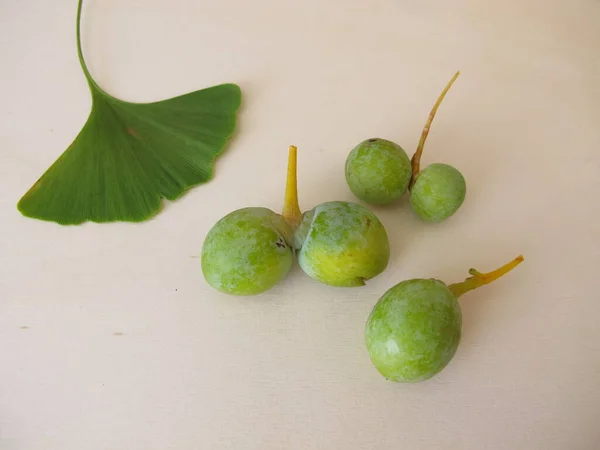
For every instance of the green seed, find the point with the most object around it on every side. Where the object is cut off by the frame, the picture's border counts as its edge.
(342, 244)
(378, 171)
(414, 330)
(246, 252)
(438, 192)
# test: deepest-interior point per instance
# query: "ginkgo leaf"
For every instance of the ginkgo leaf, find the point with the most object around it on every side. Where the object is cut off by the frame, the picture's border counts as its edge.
(129, 156)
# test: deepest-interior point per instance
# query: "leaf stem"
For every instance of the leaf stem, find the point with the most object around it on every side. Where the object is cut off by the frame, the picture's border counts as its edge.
(93, 85)
(291, 209)
(479, 279)
(416, 159)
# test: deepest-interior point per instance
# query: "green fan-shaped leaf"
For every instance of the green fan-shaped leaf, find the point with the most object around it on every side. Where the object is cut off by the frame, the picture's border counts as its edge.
(129, 156)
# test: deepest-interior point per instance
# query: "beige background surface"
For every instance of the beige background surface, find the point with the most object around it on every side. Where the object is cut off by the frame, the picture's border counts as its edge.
(111, 340)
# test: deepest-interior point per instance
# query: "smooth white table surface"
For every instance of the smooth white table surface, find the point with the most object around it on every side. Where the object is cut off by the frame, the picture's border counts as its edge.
(110, 339)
